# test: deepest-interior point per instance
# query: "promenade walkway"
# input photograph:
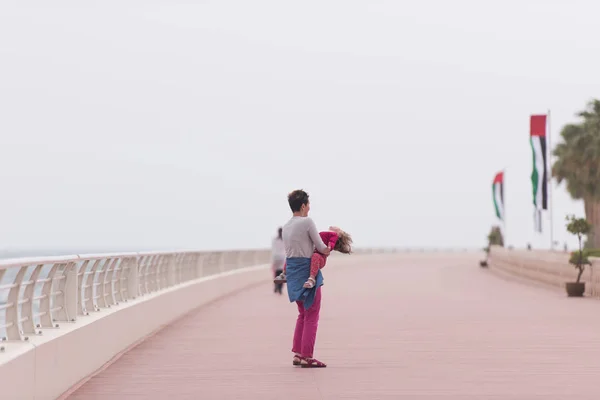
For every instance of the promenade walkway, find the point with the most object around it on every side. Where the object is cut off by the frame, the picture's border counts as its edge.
(397, 326)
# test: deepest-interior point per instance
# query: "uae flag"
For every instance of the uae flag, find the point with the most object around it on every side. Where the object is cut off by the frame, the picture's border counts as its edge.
(539, 174)
(498, 195)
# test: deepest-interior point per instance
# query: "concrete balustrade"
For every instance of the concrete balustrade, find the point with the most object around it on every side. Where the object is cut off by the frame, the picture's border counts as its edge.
(549, 268)
(63, 318)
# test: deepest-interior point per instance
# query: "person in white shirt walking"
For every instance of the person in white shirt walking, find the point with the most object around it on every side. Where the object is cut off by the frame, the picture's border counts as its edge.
(278, 259)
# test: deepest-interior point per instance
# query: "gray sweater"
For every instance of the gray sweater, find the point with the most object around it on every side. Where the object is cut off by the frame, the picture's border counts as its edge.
(300, 237)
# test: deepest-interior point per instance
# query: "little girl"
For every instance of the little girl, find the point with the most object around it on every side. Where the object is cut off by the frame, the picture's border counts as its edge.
(335, 239)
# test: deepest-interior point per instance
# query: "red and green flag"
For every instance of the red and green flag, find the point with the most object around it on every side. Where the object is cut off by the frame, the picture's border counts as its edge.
(539, 174)
(498, 195)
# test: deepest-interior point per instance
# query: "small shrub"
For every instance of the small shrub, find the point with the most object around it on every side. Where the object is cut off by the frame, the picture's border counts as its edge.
(495, 237)
(580, 228)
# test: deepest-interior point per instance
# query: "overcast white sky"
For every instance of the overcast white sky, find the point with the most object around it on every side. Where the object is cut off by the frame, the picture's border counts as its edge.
(172, 124)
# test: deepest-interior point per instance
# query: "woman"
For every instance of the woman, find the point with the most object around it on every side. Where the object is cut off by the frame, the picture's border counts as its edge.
(300, 237)
(278, 258)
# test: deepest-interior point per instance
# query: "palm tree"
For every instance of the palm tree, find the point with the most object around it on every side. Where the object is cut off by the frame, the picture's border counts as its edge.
(578, 164)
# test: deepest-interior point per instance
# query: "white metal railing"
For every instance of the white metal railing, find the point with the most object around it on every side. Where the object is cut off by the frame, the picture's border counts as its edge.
(40, 293)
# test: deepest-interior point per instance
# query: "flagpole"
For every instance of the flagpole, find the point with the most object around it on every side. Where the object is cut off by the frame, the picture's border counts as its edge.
(551, 205)
(504, 207)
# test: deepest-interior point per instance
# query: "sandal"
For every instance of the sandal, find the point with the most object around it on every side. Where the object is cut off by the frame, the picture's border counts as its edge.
(312, 363)
(309, 284)
(297, 360)
(281, 278)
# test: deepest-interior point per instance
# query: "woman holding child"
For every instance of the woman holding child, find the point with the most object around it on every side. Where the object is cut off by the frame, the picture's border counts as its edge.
(301, 239)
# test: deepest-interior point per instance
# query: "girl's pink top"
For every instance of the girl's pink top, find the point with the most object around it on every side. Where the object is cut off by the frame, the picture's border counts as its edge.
(329, 238)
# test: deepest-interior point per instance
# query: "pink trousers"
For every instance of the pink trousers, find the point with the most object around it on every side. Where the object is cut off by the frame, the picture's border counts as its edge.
(305, 334)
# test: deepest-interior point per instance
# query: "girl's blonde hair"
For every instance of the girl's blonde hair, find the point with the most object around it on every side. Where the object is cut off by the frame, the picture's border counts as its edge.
(344, 243)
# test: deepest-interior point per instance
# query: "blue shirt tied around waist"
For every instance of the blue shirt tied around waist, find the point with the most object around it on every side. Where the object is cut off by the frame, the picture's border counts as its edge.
(297, 271)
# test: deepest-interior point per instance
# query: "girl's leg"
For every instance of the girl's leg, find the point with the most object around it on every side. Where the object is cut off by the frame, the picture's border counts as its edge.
(317, 261)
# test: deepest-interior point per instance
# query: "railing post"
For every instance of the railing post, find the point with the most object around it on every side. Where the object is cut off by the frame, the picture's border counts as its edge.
(13, 332)
(27, 309)
(133, 277)
(107, 272)
(119, 278)
(181, 263)
(89, 290)
(70, 292)
(153, 277)
(161, 272)
(141, 263)
(222, 261)
(200, 265)
(80, 287)
(183, 268)
(46, 317)
(172, 270)
(67, 301)
(238, 261)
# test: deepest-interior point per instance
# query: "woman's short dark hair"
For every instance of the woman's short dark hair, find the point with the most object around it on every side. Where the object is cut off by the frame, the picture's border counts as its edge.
(296, 199)
(280, 232)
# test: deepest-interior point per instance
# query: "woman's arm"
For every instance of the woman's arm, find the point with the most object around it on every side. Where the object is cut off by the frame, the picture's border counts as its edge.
(316, 238)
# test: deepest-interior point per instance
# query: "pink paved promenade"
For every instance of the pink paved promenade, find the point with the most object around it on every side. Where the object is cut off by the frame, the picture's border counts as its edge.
(412, 326)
